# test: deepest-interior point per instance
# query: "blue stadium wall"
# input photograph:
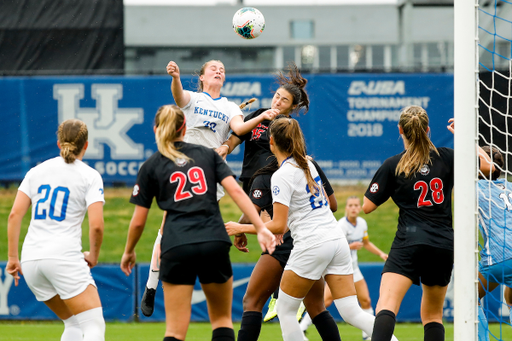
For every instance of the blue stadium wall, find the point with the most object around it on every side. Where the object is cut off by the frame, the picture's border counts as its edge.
(351, 127)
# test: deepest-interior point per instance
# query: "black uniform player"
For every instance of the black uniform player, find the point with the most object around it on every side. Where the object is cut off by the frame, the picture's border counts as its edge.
(420, 182)
(183, 178)
(267, 273)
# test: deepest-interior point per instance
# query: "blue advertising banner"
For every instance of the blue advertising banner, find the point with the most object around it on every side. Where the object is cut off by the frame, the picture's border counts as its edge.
(115, 289)
(351, 127)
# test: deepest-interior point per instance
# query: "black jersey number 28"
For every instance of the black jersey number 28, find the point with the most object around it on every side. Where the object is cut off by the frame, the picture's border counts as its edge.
(196, 176)
(435, 186)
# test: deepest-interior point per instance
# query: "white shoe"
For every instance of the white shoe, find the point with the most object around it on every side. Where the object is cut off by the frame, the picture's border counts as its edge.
(305, 337)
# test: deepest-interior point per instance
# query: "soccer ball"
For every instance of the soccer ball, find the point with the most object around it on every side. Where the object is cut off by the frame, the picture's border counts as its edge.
(248, 23)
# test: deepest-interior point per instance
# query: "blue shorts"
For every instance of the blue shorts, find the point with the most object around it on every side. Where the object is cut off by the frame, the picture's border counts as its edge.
(497, 273)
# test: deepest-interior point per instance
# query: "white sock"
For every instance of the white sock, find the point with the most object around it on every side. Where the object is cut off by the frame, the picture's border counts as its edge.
(92, 324)
(351, 312)
(154, 269)
(287, 307)
(72, 331)
(368, 311)
(306, 322)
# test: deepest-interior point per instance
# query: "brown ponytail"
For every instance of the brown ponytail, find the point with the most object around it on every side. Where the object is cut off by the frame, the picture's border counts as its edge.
(414, 123)
(169, 122)
(295, 84)
(497, 160)
(72, 135)
(289, 139)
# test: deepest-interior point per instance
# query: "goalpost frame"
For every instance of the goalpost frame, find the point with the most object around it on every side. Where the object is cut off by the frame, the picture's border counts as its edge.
(465, 200)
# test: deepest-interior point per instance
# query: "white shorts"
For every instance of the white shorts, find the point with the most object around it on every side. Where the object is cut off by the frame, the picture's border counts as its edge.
(50, 277)
(328, 258)
(358, 276)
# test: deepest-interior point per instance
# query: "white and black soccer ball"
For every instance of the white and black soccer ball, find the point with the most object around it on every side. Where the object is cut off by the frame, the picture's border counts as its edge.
(248, 23)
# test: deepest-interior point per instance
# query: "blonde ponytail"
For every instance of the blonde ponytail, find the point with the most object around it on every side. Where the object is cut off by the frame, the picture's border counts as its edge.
(414, 123)
(72, 135)
(169, 122)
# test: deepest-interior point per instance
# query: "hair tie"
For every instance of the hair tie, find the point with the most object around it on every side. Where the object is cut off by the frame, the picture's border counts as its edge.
(184, 122)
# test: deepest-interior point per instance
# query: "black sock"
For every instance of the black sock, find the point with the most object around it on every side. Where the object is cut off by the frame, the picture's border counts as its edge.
(171, 338)
(276, 293)
(384, 326)
(223, 334)
(327, 328)
(250, 327)
(434, 331)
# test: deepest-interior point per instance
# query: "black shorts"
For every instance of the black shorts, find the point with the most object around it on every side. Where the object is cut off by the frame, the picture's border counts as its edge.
(428, 264)
(209, 261)
(282, 252)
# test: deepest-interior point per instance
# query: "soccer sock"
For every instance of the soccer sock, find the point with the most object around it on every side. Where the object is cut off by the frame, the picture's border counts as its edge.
(92, 324)
(306, 322)
(152, 282)
(72, 330)
(250, 327)
(351, 312)
(483, 325)
(326, 327)
(171, 338)
(434, 331)
(368, 311)
(223, 334)
(287, 307)
(384, 326)
(276, 294)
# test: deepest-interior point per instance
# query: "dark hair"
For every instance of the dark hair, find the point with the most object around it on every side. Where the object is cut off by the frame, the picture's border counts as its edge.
(289, 139)
(201, 72)
(497, 160)
(414, 123)
(268, 169)
(72, 135)
(295, 84)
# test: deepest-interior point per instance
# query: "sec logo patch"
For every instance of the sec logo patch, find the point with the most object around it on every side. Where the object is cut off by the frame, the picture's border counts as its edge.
(275, 190)
(374, 188)
(256, 194)
(135, 190)
(425, 170)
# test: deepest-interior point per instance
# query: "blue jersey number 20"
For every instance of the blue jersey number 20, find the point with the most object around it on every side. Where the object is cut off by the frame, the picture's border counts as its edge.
(53, 202)
(317, 200)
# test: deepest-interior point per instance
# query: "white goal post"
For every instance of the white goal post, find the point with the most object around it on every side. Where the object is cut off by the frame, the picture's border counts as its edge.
(465, 201)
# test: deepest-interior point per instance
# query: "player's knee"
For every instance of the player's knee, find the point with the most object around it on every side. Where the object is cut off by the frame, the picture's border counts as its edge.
(92, 324)
(287, 305)
(365, 302)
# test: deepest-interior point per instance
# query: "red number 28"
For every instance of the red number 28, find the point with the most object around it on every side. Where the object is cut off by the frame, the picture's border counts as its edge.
(195, 176)
(436, 186)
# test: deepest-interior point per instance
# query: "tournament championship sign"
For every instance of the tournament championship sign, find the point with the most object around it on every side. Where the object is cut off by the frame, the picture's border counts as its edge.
(350, 129)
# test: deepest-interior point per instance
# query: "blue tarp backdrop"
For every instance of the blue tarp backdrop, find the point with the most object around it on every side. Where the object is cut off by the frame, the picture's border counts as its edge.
(351, 127)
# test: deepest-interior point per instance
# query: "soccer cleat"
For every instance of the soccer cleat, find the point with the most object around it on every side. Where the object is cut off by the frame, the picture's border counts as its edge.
(366, 338)
(271, 313)
(147, 304)
(300, 312)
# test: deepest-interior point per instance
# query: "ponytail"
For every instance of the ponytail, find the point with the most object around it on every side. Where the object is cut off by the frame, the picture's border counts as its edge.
(169, 122)
(72, 135)
(289, 139)
(295, 84)
(414, 123)
(268, 169)
(496, 159)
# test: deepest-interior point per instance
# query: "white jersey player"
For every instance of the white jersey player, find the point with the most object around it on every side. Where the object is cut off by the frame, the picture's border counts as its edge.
(61, 190)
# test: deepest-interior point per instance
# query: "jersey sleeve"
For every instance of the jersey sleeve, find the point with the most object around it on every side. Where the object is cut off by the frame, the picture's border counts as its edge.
(327, 186)
(25, 184)
(364, 227)
(222, 169)
(382, 185)
(144, 190)
(282, 188)
(234, 110)
(260, 192)
(95, 190)
(193, 97)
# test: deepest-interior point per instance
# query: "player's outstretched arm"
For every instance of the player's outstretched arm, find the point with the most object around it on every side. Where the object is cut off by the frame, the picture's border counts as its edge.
(368, 206)
(228, 146)
(180, 97)
(96, 224)
(368, 245)
(240, 127)
(135, 230)
(18, 211)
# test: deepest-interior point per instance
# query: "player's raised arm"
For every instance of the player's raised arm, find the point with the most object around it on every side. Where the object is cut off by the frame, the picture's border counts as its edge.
(180, 97)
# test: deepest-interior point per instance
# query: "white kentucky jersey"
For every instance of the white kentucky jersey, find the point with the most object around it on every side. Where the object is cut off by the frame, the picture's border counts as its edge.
(354, 233)
(208, 119)
(60, 195)
(310, 219)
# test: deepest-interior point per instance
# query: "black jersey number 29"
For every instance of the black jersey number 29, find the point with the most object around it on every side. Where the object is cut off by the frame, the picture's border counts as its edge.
(196, 176)
(436, 187)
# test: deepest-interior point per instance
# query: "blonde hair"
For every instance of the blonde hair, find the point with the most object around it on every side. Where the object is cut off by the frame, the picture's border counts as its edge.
(72, 135)
(289, 139)
(169, 121)
(414, 123)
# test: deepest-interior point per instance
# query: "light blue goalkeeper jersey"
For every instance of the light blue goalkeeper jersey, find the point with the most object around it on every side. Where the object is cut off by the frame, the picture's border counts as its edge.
(495, 220)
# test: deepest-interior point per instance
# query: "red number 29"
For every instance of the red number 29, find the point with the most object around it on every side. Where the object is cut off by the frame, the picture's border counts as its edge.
(195, 176)
(436, 186)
